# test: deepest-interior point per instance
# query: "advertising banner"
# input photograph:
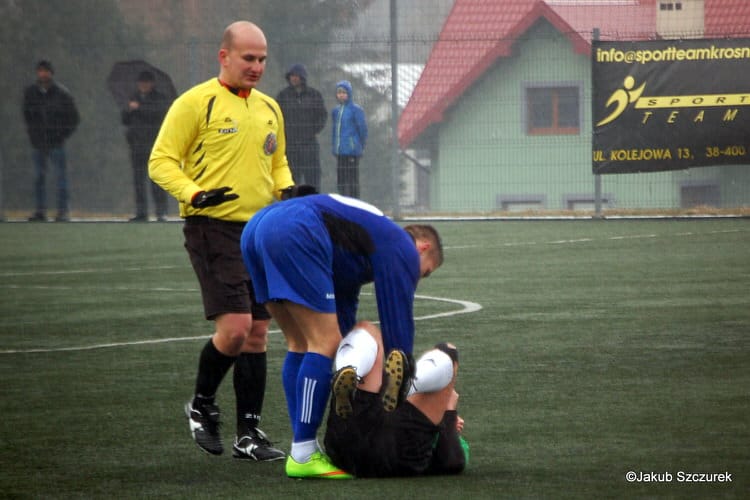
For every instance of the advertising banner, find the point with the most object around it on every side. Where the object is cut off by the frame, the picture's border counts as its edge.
(670, 104)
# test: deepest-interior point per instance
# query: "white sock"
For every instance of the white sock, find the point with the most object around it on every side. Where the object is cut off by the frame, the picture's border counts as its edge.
(358, 349)
(303, 450)
(434, 372)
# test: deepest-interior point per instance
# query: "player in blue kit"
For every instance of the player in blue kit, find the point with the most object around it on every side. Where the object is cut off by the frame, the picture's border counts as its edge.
(308, 258)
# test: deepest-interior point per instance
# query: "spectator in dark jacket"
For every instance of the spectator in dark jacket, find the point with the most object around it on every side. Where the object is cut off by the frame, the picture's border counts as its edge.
(349, 136)
(143, 117)
(51, 117)
(305, 116)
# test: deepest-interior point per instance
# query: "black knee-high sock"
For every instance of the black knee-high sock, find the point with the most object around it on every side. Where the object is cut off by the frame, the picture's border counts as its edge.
(250, 388)
(212, 367)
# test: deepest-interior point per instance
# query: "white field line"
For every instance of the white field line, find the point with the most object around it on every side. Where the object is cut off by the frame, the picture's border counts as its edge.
(86, 271)
(89, 288)
(466, 307)
(587, 240)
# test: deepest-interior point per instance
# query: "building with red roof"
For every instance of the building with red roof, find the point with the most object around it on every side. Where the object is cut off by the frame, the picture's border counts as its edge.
(470, 111)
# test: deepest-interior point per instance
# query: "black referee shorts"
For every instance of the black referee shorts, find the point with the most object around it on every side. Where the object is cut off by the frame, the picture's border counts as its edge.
(214, 249)
(376, 443)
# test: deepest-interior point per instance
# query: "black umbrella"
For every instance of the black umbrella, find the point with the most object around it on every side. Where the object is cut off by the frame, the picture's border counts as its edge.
(121, 81)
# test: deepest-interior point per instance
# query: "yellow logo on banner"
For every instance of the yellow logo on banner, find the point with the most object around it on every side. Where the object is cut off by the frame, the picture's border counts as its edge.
(626, 95)
(693, 101)
(622, 97)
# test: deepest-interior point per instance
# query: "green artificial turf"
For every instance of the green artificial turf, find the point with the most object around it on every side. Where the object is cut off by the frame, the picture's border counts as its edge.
(601, 347)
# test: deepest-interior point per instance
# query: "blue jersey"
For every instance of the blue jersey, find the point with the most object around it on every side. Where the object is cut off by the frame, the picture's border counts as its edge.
(319, 250)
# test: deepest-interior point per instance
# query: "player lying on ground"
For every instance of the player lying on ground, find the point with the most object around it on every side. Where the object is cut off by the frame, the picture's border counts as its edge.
(384, 423)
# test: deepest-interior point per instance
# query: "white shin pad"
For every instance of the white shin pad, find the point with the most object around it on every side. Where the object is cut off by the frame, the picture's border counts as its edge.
(434, 372)
(358, 349)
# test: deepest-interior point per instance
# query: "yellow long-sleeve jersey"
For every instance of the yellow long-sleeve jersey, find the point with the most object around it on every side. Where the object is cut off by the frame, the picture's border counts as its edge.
(212, 138)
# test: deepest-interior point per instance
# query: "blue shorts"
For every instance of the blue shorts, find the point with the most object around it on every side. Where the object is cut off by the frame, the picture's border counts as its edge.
(288, 252)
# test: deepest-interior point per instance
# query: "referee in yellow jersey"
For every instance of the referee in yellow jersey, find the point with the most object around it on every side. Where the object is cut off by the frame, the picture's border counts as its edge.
(221, 152)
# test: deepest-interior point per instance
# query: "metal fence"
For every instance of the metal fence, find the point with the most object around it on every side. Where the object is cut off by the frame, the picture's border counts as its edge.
(492, 111)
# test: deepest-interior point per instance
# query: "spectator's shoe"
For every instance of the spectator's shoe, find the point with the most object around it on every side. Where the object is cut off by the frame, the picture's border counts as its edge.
(318, 467)
(204, 426)
(62, 217)
(343, 386)
(38, 217)
(138, 218)
(255, 446)
(397, 379)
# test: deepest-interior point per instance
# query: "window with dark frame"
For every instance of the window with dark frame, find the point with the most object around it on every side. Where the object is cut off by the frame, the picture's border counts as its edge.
(670, 6)
(553, 111)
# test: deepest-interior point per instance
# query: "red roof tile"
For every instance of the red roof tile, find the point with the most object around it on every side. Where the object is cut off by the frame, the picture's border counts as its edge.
(477, 32)
(727, 18)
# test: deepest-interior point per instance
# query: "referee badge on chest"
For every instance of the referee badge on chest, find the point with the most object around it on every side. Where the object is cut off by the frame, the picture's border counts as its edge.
(269, 147)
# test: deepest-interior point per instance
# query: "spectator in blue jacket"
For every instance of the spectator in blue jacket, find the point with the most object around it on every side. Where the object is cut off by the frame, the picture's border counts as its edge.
(348, 138)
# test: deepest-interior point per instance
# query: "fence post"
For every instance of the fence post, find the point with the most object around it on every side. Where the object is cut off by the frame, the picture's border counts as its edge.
(395, 158)
(2, 199)
(597, 177)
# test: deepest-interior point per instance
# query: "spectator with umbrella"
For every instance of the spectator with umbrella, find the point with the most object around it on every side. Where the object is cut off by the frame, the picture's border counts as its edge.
(142, 114)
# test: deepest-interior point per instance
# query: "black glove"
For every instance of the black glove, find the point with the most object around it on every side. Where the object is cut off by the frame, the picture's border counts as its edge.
(297, 191)
(213, 197)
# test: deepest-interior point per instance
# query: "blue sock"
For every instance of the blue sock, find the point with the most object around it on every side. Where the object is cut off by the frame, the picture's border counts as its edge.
(289, 372)
(313, 388)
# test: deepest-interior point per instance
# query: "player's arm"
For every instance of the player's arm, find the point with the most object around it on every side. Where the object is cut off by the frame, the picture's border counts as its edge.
(394, 293)
(178, 130)
(346, 310)
(451, 454)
